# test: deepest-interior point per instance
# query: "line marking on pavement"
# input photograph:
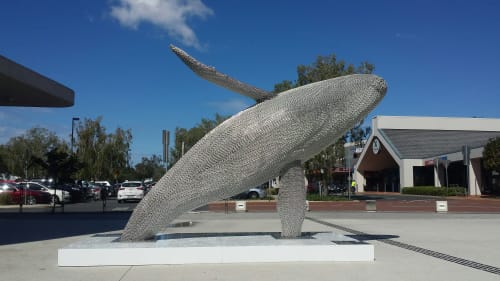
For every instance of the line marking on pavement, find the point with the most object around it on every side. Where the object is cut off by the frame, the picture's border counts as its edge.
(121, 278)
(457, 260)
(120, 209)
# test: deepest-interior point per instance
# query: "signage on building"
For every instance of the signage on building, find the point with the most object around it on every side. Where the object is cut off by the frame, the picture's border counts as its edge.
(375, 146)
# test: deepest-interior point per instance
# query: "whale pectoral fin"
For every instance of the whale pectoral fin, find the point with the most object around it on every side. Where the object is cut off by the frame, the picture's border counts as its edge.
(209, 73)
(292, 201)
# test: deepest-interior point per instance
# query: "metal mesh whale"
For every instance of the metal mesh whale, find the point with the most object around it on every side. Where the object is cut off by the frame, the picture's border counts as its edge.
(272, 138)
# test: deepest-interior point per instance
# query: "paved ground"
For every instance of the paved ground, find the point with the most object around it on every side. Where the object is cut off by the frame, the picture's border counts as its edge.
(385, 202)
(408, 246)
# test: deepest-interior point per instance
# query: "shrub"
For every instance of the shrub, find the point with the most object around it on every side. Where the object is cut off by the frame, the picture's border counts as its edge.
(434, 191)
(274, 191)
(5, 199)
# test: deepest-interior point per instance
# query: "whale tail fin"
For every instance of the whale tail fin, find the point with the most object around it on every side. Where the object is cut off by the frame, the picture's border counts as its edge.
(209, 73)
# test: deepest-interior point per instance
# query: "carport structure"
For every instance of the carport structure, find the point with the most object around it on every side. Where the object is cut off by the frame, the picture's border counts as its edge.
(20, 86)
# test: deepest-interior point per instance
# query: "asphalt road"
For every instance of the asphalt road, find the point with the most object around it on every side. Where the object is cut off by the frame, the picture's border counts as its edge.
(90, 206)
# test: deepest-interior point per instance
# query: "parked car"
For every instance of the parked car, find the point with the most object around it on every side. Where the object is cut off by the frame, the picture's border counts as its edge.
(130, 190)
(148, 185)
(336, 188)
(107, 186)
(253, 193)
(60, 195)
(95, 191)
(45, 182)
(115, 187)
(27, 196)
(78, 194)
(86, 188)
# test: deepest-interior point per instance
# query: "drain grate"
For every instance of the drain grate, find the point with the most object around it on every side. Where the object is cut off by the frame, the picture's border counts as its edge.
(457, 260)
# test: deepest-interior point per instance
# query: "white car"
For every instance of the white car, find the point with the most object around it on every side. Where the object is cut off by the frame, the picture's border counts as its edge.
(130, 190)
(60, 195)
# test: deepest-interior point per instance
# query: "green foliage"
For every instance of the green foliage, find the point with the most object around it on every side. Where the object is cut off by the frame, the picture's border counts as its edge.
(192, 136)
(39, 153)
(59, 165)
(325, 67)
(150, 168)
(3, 159)
(103, 156)
(434, 191)
(285, 85)
(491, 155)
(274, 191)
(5, 198)
(22, 154)
(317, 197)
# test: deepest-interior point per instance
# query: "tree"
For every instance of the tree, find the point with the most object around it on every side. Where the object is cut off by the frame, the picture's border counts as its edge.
(103, 156)
(491, 155)
(60, 165)
(188, 138)
(358, 134)
(22, 151)
(150, 168)
(325, 67)
(117, 151)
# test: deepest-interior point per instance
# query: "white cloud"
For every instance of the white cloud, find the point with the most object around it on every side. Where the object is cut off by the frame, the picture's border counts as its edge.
(170, 15)
(230, 106)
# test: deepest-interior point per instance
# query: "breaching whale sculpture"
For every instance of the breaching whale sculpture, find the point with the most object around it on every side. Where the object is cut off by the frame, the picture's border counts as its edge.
(272, 138)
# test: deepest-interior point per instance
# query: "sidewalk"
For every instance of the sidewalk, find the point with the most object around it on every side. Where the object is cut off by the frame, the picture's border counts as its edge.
(385, 202)
(404, 243)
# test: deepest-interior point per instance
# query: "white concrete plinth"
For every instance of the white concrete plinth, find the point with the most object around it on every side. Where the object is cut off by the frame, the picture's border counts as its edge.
(441, 206)
(102, 250)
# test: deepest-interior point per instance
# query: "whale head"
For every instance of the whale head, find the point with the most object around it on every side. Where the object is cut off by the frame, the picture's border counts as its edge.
(332, 107)
(356, 95)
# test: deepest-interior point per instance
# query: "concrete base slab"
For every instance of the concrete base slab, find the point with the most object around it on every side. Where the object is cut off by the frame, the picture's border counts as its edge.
(200, 248)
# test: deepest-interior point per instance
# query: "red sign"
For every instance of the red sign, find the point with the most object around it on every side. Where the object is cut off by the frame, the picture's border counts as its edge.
(429, 163)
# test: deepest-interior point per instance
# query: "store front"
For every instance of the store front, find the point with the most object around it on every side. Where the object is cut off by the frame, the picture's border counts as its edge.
(427, 151)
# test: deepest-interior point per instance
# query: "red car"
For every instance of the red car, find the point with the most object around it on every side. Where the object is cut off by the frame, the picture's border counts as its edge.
(28, 196)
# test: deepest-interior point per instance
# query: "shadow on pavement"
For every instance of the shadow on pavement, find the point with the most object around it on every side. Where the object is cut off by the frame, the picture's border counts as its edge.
(368, 237)
(30, 227)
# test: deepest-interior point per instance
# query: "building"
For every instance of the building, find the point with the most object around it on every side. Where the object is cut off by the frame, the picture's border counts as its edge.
(427, 151)
(21, 86)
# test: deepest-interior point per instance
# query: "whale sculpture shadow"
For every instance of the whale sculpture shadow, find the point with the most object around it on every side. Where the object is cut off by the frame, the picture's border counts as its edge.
(272, 138)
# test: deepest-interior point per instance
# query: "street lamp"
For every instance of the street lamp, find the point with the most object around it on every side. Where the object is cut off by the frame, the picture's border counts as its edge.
(72, 131)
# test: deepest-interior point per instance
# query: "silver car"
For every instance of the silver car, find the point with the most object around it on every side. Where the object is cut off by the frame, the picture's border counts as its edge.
(253, 193)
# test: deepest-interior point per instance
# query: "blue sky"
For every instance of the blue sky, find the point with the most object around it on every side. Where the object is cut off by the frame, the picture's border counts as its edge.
(440, 58)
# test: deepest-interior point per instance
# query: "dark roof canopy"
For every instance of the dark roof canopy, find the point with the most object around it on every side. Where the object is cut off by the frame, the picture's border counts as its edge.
(421, 144)
(20, 86)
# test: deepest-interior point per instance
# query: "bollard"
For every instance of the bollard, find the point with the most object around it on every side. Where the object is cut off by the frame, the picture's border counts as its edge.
(241, 206)
(441, 206)
(371, 205)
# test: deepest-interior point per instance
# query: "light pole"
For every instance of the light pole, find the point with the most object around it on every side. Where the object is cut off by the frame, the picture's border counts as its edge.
(72, 131)
(165, 141)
